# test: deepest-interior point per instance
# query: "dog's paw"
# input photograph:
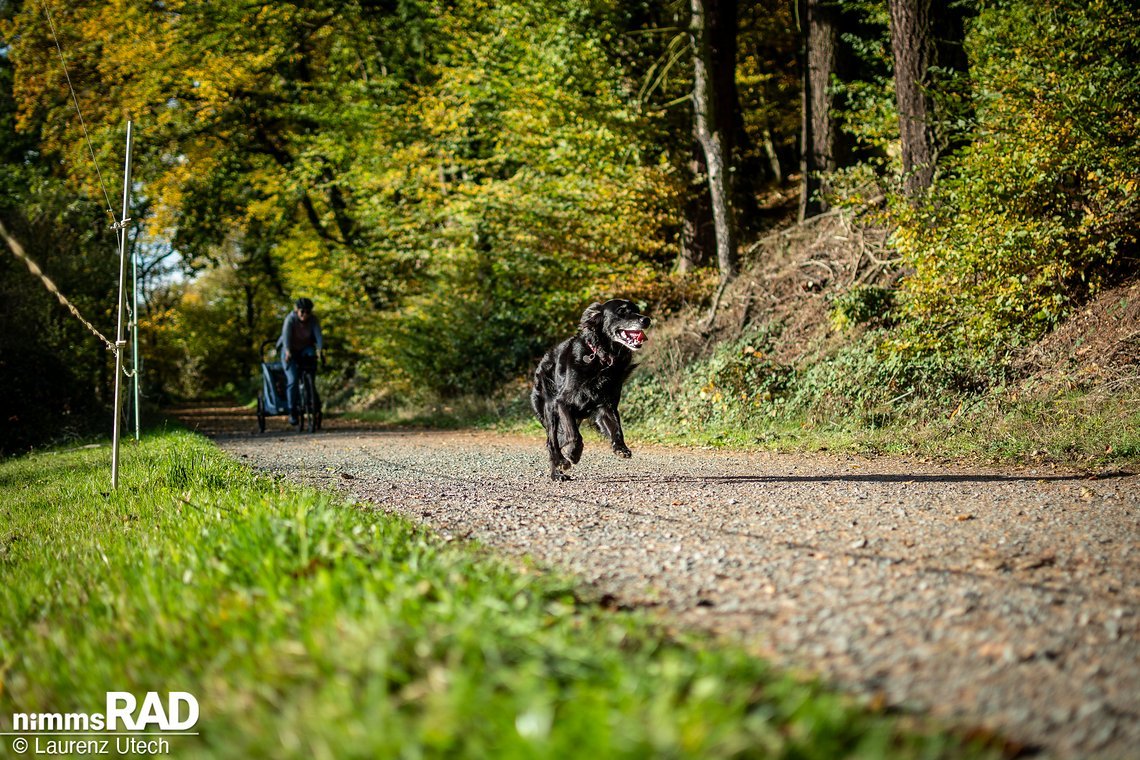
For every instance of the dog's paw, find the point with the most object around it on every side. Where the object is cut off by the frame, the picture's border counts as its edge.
(623, 451)
(559, 477)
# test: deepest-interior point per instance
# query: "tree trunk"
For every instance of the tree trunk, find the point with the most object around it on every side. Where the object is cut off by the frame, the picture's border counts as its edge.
(746, 173)
(913, 54)
(698, 238)
(711, 125)
(821, 139)
(924, 34)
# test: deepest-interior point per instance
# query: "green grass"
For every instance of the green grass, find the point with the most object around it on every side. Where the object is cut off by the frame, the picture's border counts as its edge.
(310, 627)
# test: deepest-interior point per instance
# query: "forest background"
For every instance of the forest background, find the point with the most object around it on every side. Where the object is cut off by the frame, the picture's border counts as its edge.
(452, 182)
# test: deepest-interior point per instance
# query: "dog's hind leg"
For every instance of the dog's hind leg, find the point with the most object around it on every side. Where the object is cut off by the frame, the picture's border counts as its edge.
(558, 463)
(570, 437)
(608, 422)
(601, 422)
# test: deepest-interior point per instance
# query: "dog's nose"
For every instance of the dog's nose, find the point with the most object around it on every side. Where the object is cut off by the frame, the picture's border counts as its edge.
(645, 322)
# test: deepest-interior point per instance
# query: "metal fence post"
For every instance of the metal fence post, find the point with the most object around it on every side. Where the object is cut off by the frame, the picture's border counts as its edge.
(120, 342)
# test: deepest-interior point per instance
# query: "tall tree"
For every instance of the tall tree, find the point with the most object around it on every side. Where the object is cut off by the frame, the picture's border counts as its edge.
(822, 143)
(713, 120)
(926, 37)
(753, 50)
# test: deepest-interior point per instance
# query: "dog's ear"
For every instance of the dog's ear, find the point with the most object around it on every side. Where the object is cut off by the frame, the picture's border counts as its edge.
(591, 321)
(590, 328)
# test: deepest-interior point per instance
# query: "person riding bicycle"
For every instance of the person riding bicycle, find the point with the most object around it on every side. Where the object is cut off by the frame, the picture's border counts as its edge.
(300, 340)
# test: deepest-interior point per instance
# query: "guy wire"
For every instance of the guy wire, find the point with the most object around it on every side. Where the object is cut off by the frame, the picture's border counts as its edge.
(75, 100)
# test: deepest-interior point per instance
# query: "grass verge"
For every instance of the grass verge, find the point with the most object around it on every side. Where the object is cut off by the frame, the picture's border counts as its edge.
(1076, 428)
(307, 627)
(858, 398)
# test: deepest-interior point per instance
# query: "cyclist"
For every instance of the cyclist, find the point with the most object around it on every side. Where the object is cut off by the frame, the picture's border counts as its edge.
(300, 339)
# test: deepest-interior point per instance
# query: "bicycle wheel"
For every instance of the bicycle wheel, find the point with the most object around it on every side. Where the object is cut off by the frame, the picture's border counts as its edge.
(318, 413)
(308, 416)
(302, 403)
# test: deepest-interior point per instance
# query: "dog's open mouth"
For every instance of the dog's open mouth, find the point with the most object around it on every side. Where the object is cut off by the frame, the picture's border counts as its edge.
(633, 339)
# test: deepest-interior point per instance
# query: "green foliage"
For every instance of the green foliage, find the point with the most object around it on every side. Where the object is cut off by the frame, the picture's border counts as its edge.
(861, 305)
(57, 372)
(422, 171)
(1037, 211)
(298, 621)
(740, 383)
(864, 381)
(866, 96)
(523, 193)
(744, 371)
(742, 394)
(768, 86)
(1021, 226)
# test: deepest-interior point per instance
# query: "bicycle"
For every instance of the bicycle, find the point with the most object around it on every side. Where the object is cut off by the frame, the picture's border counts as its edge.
(310, 413)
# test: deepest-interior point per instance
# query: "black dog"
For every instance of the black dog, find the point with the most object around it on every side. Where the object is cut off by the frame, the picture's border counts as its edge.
(582, 377)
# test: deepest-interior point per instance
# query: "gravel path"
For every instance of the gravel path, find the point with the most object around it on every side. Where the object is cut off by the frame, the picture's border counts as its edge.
(1008, 598)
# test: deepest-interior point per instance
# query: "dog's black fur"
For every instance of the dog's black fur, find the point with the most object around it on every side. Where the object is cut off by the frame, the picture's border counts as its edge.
(583, 376)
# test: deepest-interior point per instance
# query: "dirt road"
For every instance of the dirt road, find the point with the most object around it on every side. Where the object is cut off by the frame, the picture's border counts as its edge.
(1005, 598)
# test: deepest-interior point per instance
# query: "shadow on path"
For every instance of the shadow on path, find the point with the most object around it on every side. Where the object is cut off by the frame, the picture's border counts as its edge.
(862, 478)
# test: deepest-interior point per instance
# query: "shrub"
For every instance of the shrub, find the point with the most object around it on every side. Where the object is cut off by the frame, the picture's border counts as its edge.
(862, 305)
(1033, 216)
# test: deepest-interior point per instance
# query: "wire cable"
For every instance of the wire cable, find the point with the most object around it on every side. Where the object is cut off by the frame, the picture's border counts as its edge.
(75, 100)
(18, 251)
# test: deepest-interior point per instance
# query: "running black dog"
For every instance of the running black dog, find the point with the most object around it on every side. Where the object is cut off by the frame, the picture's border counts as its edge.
(583, 376)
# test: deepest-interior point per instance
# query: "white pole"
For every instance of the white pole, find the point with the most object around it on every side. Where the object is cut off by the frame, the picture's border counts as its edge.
(120, 342)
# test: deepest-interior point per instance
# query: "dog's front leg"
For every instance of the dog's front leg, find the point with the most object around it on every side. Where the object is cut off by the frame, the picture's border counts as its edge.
(609, 423)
